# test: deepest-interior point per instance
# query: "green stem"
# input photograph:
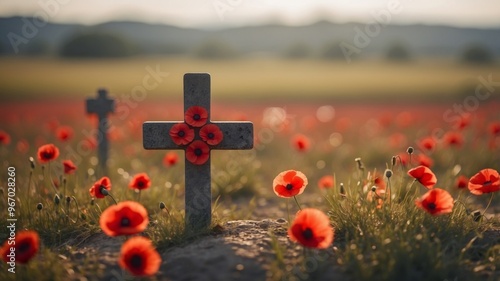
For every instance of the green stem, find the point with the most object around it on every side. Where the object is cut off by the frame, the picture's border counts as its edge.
(288, 211)
(112, 198)
(389, 192)
(77, 208)
(29, 196)
(297, 202)
(50, 179)
(408, 190)
(64, 186)
(489, 202)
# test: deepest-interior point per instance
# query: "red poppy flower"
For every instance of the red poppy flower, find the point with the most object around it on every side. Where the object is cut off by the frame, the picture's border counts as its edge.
(462, 182)
(379, 195)
(424, 160)
(405, 119)
(453, 139)
(196, 116)
(312, 229)
(23, 146)
(463, 122)
(126, 218)
(4, 138)
(436, 202)
(171, 158)
(289, 183)
(64, 133)
(301, 142)
(47, 152)
(139, 257)
(197, 152)
(52, 125)
(486, 181)
(211, 134)
(140, 181)
(398, 140)
(424, 175)
(181, 134)
(96, 189)
(380, 189)
(90, 143)
(427, 143)
(69, 167)
(494, 128)
(326, 182)
(27, 243)
(378, 181)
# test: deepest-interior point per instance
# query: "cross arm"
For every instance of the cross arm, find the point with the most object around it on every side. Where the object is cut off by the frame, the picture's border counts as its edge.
(100, 106)
(155, 135)
(237, 135)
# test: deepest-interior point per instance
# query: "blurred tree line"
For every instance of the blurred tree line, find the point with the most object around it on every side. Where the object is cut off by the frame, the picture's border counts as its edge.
(100, 44)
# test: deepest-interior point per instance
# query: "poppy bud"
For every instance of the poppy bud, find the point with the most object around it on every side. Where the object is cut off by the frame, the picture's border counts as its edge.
(388, 173)
(32, 163)
(360, 164)
(104, 191)
(39, 206)
(410, 150)
(57, 199)
(68, 199)
(394, 159)
(342, 189)
(64, 181)
(162, 206)
(374, 188)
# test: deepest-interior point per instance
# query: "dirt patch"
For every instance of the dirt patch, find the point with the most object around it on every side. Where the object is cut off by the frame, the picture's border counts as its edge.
(241, 250)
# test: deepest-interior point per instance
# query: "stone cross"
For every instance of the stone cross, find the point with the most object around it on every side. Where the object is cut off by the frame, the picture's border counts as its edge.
(101, 106)
(197, 135)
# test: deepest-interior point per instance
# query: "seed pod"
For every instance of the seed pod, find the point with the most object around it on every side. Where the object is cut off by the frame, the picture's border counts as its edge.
(388, 173)
(410, 150)
(162, 206)
(32, 163)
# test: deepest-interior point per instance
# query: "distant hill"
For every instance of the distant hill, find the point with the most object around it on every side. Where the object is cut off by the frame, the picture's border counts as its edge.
(422, 40)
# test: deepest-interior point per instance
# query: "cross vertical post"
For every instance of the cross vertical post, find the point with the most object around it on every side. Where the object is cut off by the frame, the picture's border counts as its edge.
(101, 106)
(197, 135)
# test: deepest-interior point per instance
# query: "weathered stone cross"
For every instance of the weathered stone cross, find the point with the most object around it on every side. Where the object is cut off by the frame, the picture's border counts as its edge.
(102, 106)
(197, 136)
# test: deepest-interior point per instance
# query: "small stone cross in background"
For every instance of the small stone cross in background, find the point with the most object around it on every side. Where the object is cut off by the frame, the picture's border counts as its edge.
(101, 106)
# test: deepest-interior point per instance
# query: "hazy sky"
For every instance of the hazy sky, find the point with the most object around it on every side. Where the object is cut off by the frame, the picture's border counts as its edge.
(209, 13)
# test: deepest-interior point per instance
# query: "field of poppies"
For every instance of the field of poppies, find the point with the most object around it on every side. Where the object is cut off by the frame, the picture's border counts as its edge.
(377, 192)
